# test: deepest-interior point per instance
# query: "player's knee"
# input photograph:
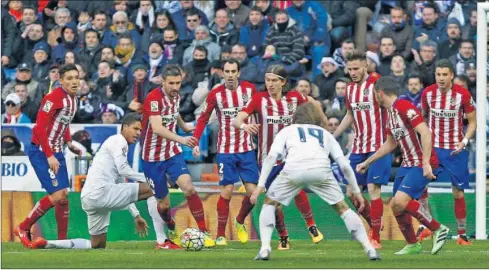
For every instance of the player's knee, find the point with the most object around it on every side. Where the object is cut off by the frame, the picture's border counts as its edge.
(397, 205)
(227, 192)
(457, 193)
(271, 202)
(164, 205)
(59, 195)
(341, 207)
(189, 190)
(373, 191)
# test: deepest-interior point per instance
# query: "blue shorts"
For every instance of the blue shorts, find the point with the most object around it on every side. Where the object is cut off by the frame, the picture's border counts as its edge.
(411, 181)
(378, 173)
(457, 167)
(233, 167)
(155, 173)
(273, 174)
(50, 182)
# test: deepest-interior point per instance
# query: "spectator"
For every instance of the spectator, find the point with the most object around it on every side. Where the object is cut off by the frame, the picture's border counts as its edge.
(461, 80)
(126, 51)
(337, 108)
(387, 49)
(461, 10)
(97, 6)
(311, 19)
(225, 53)
(327, 79)
(24, 76)
(373, 62)
(208, 7)
(342, 15)
(465, 53)
(269, 58)
(110, 113)
(10, 143)
(84, 22)
(449, 47)
(70, 58)
(144, 17)
(40, 63)
(424, 62)
(109, 85)
(108, 55)
(187, 33)
(433, 27)
(85, 112)
(170, 6)
(288, 40)
(99, 23)
(9, 33)
(414, 90)
(91, 53)
(345, 139)
(202, 38)
(50, 12)
(222, 30)
(28, 18)
(471, 72)
(248, 71)
(155, 61)
(121, 27)
(162, 22)
(340, 54)
(187, 106)
(15, 9)
(252, 35)
(199, 67)
(27, 107)
(133, 98)
(172, 48)
(62, 16)
(81, 72)
(23, 45)
(68, 42)
(237, 12)
(181, 16)
(50, 84)
(119, 5)
(305, 87)
(13, 114)
(400, 31)
(267, 10)
(469, 30)
(398, 70)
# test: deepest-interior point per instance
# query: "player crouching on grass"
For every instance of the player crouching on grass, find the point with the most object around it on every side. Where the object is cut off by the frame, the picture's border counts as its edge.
(419, 165)
(105, 189)
(307, 148)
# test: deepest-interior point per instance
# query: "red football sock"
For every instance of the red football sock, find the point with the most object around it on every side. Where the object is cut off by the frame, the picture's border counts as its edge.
(246, 207)
(41, 207)
(166, 216)
(222, 216)
(376, 212)
(461, 215)
(405, 223)
(62, 211)
(280, 223)
(418, 212)
(194, 203)
(302, 203)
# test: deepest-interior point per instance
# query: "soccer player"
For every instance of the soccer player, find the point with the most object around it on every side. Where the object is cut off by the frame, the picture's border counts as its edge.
(162, 153)
(105, 189)
(49, 135)
(444, 105)
(307, 148)
(368, 119)
(275, 108)
(407, 129)
(236, 157)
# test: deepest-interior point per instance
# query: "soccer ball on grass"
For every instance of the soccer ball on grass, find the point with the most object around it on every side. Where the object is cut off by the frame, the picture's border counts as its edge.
(192, 239)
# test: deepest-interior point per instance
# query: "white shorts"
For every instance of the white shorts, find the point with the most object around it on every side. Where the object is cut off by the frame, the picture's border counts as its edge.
(99, 203)
(320, 181)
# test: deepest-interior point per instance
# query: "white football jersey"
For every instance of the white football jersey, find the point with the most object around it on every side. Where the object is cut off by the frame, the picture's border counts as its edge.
(110, 166)
(305, 147)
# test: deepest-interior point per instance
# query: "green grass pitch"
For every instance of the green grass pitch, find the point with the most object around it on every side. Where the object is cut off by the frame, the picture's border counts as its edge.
(304, 254)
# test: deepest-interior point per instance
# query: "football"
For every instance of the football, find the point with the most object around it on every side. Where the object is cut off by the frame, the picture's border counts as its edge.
(192, 239)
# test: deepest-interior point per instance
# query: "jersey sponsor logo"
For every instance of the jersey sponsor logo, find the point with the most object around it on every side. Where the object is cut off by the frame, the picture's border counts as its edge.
(444, 113)
(168, 119)
(283, 119)
(411, 114)
(361, 106)
(230, 112)
(153, 106)
(47, 106)
(398, 133)
(65, 120)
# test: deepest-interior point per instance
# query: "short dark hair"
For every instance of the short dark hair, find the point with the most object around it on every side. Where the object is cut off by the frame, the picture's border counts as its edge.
(170, 29)
(231, 61)
(111, 66)
(126, 36)
(66, 68)
(131, 118)
(398, 9)
(201, 48)
(388, 85)
(348, 40)
(432, 5)
(99, 12)
(171, 70)
(90, 30)
(444, 63)
(283, 12)
(356, 55)
(255, 8)
(415, 76)
(466, 41)
(463, 78)
(191, 12)
(388, 37)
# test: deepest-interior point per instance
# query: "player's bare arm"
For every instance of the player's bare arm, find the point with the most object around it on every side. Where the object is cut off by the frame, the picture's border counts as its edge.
(158, 128)
(184, 126)
(386, 148)
(423, 130)
(345, 124)
(471, 117)
(238, 122)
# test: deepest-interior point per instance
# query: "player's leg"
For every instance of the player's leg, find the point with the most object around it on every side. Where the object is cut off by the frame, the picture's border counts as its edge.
(302, 203)
(423, 232)
(60, 201)
(356, 159)
(228, 175)
(158, 223)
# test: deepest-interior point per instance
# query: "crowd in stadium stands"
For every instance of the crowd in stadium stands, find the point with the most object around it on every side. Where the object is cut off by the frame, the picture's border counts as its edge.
(120, 48)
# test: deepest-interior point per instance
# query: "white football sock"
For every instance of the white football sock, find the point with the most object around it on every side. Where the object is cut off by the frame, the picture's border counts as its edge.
(355, 227)
(77, 243)
(267, 225)
(158, 223)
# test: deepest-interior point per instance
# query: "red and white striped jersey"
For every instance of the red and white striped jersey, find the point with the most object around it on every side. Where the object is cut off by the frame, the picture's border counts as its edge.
(402, 120)
(445, 112)
(273, 116)
(154, 147)
(52, 127)
(228, 103)
(368, 117)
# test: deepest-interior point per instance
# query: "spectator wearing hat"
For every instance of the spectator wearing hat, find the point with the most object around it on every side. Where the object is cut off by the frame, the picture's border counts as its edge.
(222, 30)
(449, 47)
(400, 31)
(326, 80)
(373, 62)
(91, 53)
(173, 49)
(181, 17)
(162, 22)
(24, 76)
(133, 98)
(432, 28)
(465, 53)
(11, 145)
(414, 90)
(252, 34)
(110, 113)
(121, 27)
(9, 33)
(200, 66)
(155, 61)
(27, 107)
(248, 70)
(13, 114)
(24, 44)
(68, 42)
(41, 61)
(202, 38)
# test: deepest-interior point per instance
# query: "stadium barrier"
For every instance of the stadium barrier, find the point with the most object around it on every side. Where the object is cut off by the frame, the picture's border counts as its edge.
(17, 205)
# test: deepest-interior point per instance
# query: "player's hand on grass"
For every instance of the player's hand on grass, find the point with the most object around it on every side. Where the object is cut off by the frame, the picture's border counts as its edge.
(254, 196)
(53, 164)
(141, 227)
(460, 147)
(196, 152)
(189, 141)
(252, 129)
(358, 201)
(362, 167)
(428, 171)
(73, 148)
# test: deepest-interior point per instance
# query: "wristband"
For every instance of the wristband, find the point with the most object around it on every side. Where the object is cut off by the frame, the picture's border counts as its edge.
(465, 141)
(242, 126)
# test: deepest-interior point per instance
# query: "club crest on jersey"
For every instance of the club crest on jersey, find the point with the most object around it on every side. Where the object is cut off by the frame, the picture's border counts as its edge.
(124, 151)
(154, 106)
(398, 133)
(47, 106)
(365, 91)
(245, 98)
(411, 114)
(290, 107)
(453, 102)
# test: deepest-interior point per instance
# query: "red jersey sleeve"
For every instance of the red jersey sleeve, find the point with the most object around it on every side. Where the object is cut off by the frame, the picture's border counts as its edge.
(410, 114)
(347, 100)
(152, 104)
(67, 135)
(49, 107)
(467, 101)
(209, 106)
